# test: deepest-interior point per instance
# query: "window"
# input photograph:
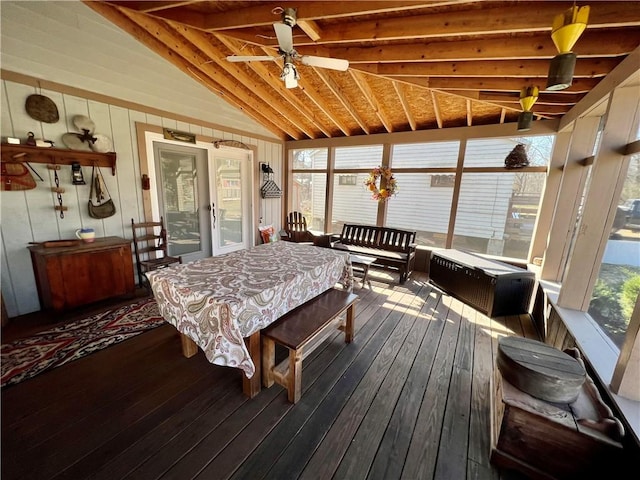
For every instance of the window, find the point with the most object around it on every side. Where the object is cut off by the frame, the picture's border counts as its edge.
(618, 283)
(309, 189)
(425, 155)
(347, 179)
(497, 208)
(419, 206)
(349, 204)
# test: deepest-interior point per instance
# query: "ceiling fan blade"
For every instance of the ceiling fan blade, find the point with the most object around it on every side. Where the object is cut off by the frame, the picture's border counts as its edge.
(285, 36)
(325, 62)
(249, 58)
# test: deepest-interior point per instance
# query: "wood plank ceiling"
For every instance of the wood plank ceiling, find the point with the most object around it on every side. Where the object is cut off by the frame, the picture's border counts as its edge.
(413, 65)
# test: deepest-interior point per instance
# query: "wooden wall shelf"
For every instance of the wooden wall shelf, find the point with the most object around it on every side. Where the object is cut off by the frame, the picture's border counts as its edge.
(58, 156)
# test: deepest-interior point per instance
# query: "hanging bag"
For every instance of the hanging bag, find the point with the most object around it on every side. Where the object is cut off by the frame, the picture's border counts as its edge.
(102, 210)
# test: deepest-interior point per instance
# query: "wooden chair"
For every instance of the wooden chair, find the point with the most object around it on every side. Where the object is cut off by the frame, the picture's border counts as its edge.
(150, 239)
(296, 229)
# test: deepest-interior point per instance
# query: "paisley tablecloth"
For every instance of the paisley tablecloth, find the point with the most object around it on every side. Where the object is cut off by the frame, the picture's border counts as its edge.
(218, 301)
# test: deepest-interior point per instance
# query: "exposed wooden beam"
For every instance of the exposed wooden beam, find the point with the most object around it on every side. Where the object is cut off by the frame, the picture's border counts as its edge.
(585, 67)
(493, 84)
(399, 88)
(318, 98)
(171, 39)
(337, 91)
(261, 15)
(518, 18)
(515, 47)
(114, 15)
(311, 28)
(202, 42)
(363, 85)
(151, 6)
(544, 98)
(436, 108)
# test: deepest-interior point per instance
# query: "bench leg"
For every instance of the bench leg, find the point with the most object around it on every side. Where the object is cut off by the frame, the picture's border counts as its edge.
(294, 378)
(348, 331)
(268, 361)
(251, 386)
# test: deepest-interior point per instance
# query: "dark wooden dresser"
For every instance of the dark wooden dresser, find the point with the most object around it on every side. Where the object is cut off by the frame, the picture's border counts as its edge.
(495, 288)
(69, 277)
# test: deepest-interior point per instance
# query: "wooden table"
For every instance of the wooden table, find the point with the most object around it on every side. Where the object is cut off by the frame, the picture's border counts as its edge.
(219, 303)
(361, 263)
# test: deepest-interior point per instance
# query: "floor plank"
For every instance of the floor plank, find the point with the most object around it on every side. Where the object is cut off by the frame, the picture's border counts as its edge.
(409, 398)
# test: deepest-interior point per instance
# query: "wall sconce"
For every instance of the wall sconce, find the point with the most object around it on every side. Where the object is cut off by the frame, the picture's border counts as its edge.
(567, 28)
(528, 97)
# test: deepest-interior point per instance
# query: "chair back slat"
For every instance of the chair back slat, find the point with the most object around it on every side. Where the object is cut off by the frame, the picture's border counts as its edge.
(150, 248)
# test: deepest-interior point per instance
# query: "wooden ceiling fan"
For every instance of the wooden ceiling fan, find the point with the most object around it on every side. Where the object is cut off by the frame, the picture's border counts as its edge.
(284, 34)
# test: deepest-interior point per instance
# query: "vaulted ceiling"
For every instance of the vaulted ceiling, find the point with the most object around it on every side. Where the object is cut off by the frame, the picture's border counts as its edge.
(413, 65)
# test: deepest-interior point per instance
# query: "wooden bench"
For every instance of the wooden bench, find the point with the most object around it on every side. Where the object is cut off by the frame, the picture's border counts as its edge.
(391, 247)
(297, 331)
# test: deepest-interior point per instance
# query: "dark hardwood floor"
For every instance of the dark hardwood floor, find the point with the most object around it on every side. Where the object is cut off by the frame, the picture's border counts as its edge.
(408, 399)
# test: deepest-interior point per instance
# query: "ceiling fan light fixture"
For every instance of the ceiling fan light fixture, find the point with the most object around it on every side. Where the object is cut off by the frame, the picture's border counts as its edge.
(561, 71)
(290, 75)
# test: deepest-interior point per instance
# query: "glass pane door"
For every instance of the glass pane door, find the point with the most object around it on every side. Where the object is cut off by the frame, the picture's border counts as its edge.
(184, 199)
(231, 208)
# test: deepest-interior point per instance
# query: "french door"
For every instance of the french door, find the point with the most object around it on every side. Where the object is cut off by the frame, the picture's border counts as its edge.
(204, 195)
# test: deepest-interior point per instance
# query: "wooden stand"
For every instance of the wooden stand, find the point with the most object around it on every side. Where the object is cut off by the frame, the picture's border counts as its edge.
(553, 441)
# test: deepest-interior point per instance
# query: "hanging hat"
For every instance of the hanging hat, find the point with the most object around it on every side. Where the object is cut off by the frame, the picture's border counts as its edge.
(41, 108)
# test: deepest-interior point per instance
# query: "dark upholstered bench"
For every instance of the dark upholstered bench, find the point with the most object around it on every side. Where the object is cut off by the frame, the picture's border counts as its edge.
(297, 331)
(391, 247)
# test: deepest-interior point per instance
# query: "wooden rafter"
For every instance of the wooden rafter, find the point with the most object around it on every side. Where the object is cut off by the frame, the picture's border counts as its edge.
(363, 85)
(276, 83)
(399, 88)
(472, 56)
(519, 18)
(436, 108)
(335, 89)
(585, 68)
(172, 38)
(115, 16)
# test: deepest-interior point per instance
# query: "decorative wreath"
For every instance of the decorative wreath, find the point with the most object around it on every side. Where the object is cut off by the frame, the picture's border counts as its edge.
(390, 188)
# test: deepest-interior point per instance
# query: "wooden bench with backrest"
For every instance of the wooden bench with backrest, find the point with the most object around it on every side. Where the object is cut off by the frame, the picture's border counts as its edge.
(391, 247)
(301, 331)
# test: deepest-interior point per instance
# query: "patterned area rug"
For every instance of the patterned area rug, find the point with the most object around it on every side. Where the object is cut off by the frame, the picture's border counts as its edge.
(30, 356)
